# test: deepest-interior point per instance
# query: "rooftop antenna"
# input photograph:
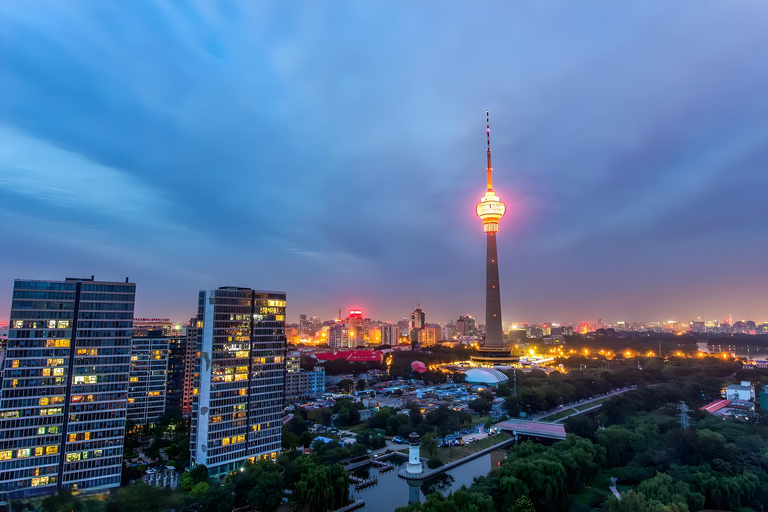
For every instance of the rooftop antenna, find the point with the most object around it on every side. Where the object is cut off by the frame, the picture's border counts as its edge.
(489, 170)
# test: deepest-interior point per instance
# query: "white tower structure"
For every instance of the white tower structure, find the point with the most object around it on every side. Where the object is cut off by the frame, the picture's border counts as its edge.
(414, 458)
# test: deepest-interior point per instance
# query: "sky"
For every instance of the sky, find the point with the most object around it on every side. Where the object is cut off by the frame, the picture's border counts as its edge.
(336, 151)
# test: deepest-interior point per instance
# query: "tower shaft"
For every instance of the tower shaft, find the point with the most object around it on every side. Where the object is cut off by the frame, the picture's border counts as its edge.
(493, 332)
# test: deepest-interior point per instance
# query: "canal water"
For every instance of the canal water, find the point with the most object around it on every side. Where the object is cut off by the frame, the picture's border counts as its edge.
(392, 491)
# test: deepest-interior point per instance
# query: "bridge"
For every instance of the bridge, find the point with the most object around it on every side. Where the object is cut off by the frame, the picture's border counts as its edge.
(532, 428)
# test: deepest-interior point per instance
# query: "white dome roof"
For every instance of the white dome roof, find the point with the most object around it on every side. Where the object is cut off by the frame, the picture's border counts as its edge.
(487, 376)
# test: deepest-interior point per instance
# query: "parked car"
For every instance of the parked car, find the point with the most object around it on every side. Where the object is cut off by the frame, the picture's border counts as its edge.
(398, 440)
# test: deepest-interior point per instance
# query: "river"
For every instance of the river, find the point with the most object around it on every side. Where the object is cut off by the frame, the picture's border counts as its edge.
(391, 491)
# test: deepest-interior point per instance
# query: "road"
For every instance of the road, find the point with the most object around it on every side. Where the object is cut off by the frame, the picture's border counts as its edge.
(546, 414)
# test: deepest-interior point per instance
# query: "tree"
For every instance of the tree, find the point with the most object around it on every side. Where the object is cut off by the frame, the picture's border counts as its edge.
(503, 390)
(345, 384)
(361, 385)
(266, 494)
(523, 504)
(429, 444)
(480, 405)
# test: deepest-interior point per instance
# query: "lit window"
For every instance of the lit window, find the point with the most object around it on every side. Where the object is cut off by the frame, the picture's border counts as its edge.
(43, 480)
(225, 441)
(38, 451)
(72, 457)
(43, 401)
(58, 371)
(6, 455)
(24, 452)
(72, 438)
(51, 449)
(40, 431)
(15, 363)
(46, 372)
(134, 379)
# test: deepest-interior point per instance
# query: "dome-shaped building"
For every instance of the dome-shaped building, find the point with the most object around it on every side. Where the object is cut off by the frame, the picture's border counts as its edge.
(487, 376)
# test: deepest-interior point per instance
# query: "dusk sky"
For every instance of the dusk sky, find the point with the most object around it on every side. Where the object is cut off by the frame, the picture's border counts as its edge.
(336, 151)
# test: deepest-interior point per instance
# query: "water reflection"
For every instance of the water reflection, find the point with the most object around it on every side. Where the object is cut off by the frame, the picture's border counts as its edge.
(391, 492)
(442, 483)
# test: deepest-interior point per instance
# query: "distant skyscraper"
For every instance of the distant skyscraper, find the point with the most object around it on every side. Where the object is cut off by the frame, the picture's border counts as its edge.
(390, 335)
(241, 385)
(466, 326)
(338, 336)
(148, 376)
(490, 210)
(418, 318)
(356, 329)
(65, 386)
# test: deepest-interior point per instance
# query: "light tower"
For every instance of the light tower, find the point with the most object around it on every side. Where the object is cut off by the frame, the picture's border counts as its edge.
(491, 210)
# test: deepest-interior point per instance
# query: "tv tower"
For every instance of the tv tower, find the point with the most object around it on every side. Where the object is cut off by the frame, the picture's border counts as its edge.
(491, 210)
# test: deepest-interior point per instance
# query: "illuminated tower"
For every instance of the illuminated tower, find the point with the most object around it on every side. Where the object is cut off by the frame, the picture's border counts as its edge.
(491, 210)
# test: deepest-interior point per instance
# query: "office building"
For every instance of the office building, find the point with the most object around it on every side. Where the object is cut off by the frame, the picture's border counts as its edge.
(418, 319)
(65, 387)
(356, 330)
(429, 336)
(148, 376)
(240, 386)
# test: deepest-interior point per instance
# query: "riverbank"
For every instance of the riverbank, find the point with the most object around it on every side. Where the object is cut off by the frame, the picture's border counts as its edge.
(449, 454)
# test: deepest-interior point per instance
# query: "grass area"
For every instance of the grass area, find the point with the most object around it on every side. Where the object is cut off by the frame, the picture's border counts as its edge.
(584, 407)
(558, 415)
(450, 454)
(599, 485)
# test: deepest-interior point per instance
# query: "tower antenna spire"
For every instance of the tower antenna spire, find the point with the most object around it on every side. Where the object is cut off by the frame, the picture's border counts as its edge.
(489, 170)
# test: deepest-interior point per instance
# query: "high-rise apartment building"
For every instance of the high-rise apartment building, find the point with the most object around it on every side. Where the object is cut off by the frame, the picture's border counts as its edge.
(147, 389)
(237, 410)
(466, 326)
(174, 391)
(338, 336)
(65, 387)
(390, 335)
(190, 357)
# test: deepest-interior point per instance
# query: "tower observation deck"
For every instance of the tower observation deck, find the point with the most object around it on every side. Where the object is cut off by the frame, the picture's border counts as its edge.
(491, 210)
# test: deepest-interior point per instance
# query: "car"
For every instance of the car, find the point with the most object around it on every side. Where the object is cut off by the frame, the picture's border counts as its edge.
(465, 432)
(398, 440)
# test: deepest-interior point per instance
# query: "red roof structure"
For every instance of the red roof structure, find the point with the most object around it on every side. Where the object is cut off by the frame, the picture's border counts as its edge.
(715, 406)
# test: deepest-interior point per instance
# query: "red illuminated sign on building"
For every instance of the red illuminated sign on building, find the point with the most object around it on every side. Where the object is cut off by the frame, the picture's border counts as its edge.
(355, 313)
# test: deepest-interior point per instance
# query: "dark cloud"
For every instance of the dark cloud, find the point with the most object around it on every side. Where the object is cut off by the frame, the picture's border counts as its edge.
(336, 151)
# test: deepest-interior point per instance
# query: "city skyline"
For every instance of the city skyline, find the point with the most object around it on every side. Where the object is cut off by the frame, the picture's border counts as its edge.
(348, 155)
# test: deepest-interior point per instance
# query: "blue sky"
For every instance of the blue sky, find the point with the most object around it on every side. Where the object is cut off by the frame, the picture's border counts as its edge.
(335, 150)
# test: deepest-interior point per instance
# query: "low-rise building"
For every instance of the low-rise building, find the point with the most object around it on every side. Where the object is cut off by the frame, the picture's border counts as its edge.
(304, 385)
(161, 476)
(741, 391)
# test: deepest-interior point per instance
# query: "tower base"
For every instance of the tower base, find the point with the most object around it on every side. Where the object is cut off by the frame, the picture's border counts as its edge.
(494, 355)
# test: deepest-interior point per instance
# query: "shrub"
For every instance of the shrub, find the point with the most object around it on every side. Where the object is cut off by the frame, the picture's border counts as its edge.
(434, 462)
